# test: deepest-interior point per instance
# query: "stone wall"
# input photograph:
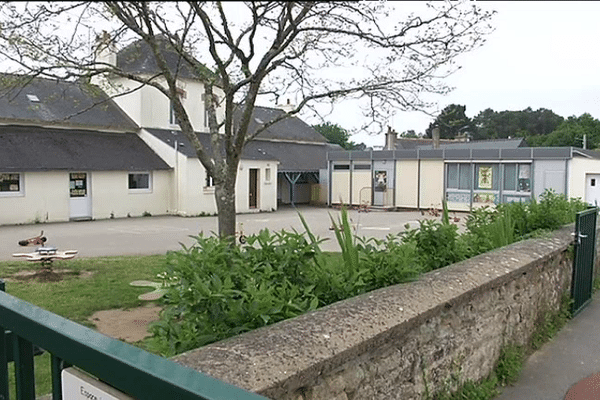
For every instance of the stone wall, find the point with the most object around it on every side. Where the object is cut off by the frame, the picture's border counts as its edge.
(404, 341)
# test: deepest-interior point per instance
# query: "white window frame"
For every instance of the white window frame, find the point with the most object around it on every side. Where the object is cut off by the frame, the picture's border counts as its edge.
(140, 190)
(209, 182)
(20, 192)
(268, 175)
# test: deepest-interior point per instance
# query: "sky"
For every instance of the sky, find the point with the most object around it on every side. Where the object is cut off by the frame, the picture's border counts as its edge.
(542, 54)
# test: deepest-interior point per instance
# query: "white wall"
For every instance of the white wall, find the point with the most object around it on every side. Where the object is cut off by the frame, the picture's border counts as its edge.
(112, 197)
(549, 174)
(196, 199)
(361, 187)
(407, 183)
(267, 191)
(340, 186)
(150, 108)
(45, 198)
(431, 183)
(579, 167)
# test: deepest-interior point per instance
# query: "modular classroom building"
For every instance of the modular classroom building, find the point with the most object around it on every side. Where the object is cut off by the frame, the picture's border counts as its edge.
(467, 177)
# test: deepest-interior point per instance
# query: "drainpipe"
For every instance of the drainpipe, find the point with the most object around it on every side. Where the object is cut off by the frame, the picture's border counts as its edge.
(176, 178)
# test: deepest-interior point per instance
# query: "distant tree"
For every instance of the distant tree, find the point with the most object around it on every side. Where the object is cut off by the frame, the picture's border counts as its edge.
(490, 124)
(452, 122)
(409, 134)
(337, 135)
(571, 133)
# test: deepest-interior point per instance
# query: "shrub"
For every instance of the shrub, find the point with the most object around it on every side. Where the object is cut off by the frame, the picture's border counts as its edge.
(437, 244)
(226, 290)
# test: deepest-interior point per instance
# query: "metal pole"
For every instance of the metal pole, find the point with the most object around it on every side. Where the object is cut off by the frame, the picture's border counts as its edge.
(3, 358)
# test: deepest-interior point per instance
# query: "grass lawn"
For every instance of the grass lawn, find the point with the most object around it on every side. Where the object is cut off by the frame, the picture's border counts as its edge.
(97, 284)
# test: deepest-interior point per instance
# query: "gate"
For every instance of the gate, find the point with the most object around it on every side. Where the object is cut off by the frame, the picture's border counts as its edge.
(124, 367)
(583, 264)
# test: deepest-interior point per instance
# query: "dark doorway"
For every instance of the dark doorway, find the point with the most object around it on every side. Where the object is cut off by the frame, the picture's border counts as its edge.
(253, 188)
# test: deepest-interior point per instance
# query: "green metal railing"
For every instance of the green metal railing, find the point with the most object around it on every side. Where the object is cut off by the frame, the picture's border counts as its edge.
(131, 370)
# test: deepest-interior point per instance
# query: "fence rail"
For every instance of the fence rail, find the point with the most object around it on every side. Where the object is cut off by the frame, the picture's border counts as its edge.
(128, 369)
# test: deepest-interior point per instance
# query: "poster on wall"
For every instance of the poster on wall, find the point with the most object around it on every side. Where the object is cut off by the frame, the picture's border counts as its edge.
(380, 181)
(485, 177)
(524, 178)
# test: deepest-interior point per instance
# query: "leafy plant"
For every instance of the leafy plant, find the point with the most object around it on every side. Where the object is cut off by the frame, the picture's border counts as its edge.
(437, 244)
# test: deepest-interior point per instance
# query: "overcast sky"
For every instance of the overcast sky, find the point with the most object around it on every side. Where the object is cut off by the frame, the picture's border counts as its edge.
(541, 55)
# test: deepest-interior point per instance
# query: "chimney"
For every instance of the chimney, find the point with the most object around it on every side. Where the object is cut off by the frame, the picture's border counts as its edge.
(435, 134)
(106, 51)
(286, 107)
(390, 139)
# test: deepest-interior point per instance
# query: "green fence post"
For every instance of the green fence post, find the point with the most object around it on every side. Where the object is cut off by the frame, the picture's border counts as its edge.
(57, 366)
(3, 358)
(24, 370)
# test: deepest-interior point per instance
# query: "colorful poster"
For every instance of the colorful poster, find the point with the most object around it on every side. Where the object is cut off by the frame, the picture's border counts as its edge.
(485, 177)
(380, 181)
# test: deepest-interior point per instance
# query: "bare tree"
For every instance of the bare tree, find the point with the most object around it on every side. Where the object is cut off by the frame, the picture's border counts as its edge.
(313, 52)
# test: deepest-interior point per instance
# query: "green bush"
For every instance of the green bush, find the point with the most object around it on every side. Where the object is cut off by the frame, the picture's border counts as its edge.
(223, 290)
(437, 244)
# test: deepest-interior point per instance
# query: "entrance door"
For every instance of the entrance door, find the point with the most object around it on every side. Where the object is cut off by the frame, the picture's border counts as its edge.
(592, 189)
(80, 204)
(253, 188)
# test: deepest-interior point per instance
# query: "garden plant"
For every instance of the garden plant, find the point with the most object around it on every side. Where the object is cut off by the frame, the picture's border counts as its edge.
(225, 290)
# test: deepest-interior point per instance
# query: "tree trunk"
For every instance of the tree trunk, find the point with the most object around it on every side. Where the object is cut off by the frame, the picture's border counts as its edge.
(225, 198)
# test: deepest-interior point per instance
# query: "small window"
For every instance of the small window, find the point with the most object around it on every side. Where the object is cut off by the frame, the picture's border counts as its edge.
(139, 181)
(209, 181)
(10, 183)
(268, 175)
(593, 183)
(510, 177)
(78, 184)
(172, 116)
(362, 167)
(341, 167)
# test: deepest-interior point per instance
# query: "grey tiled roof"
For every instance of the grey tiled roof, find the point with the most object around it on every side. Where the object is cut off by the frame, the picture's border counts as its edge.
(291, 128)
(25, 148)
(480, 144)
(51, 102)
(292, 156)
(137, 58)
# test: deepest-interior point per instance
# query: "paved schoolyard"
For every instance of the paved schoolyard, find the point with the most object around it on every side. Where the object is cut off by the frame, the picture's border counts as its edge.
(157, 235)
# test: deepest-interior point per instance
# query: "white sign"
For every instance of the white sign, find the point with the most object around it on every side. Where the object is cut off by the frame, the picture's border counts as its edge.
(77, 385)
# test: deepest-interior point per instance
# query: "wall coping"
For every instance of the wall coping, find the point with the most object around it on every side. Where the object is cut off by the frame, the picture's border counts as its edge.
(295, 351)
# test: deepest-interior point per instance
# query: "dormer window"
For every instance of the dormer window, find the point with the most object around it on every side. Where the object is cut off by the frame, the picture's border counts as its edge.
(172, 117)
(33, 98)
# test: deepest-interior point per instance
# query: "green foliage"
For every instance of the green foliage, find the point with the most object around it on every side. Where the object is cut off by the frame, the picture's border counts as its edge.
(551, 323)
(226, 290)
(452, 122)
(527, 123)
(437, 244)
(346, 239)
(336, 134)
(484, 390)
(489, 228)
(510, 365)
(571, 132)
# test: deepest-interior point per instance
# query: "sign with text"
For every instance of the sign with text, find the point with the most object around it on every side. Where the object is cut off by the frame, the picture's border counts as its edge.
(77, 385)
